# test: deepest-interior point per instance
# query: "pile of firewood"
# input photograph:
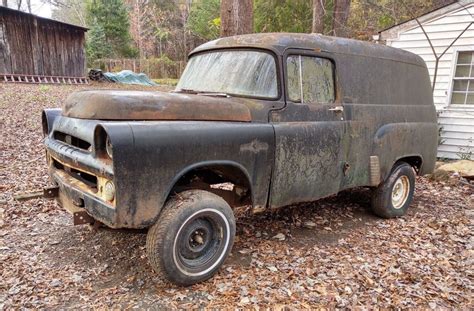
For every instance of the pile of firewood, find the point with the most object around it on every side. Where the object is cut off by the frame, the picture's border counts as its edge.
(98, 75)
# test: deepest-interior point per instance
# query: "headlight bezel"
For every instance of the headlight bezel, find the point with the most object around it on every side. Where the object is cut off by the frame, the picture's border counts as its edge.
(102, 143)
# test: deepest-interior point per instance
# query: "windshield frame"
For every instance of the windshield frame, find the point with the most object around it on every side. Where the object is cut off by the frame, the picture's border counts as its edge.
(271, 53)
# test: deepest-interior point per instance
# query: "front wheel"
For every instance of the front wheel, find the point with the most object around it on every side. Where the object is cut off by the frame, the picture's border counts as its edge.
(392, 198)
(192, 237)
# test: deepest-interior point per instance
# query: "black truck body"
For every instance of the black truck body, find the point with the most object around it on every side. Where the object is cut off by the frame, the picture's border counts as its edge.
(275, 151)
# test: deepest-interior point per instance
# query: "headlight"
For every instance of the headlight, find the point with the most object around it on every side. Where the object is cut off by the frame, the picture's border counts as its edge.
(108, 147)
(109, 191)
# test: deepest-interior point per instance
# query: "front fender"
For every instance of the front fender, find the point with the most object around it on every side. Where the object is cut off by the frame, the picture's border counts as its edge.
(163, 151)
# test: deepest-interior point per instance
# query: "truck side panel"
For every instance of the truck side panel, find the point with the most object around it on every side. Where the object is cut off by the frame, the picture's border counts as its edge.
(160, 153)
(390, 114)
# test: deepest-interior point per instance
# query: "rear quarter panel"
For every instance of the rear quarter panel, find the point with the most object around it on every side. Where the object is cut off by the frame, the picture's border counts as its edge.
(390, 112)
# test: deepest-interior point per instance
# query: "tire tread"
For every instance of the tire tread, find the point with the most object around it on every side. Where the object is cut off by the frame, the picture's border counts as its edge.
(156, 234)
(380, 199)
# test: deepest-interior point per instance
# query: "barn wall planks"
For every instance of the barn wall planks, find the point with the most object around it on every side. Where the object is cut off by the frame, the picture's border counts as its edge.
(31, 45)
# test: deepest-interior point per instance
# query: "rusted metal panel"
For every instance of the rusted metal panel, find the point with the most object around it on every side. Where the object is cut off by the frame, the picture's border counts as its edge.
(136, 105)
(81, 218)
(51, 192)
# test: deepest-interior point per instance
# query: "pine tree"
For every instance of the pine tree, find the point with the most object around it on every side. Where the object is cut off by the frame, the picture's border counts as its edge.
(204, 19)
(97, 46)
(111, 17)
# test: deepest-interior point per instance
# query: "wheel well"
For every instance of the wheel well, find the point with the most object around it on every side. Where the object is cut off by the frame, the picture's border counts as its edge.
(227, 181)
(415, 162)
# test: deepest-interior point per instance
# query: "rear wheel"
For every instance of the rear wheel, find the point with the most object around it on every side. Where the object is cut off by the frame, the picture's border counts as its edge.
(392, 198)
(192, 237)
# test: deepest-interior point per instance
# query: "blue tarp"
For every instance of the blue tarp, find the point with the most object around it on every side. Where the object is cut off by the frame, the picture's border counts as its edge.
(129, 77)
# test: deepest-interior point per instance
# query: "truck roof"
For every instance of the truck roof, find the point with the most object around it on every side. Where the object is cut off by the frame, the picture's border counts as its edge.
(279, 42)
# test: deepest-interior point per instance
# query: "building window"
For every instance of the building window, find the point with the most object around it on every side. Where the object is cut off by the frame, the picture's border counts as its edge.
(463, 81)
(310, 80)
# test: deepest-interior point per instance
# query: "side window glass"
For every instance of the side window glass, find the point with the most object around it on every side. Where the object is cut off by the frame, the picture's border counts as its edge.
(294, 84)
(310, 79)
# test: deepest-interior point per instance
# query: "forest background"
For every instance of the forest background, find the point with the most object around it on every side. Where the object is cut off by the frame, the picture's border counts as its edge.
(155, 36)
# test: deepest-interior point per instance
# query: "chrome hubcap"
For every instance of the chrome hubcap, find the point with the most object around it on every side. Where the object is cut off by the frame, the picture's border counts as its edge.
(400, 192)
(201, 242)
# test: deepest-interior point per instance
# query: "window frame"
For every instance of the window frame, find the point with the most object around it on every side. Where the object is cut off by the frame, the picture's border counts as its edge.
(310, 53)
(454, 65)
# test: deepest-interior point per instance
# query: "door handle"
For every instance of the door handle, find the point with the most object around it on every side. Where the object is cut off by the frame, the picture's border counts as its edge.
(337, 109)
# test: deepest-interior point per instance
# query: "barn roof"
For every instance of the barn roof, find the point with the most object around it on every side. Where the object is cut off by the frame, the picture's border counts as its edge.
(13, 11)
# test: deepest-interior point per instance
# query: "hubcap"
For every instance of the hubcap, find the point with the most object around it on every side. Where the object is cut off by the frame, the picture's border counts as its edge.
(201, 242)
(400, 192)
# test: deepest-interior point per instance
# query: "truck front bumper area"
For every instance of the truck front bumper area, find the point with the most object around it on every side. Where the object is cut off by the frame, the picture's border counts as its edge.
(75, 198)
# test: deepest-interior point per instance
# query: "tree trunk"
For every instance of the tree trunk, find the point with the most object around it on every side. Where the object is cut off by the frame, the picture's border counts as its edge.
(318, 16)
(236, 17)
(28, 4)
(5, 3)
(340, 15)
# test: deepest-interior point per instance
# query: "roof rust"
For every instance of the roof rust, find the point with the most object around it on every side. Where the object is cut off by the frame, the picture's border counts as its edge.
(279, 42)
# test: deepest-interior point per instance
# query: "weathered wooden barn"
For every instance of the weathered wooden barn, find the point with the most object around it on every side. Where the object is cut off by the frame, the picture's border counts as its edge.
(36, 50)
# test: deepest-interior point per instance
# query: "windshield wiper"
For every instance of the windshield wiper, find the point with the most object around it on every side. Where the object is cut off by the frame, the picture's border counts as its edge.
(217, 94)
(186, 91)
(204, 93)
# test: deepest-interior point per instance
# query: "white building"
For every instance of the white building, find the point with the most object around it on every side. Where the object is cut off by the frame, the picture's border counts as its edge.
(451, 31)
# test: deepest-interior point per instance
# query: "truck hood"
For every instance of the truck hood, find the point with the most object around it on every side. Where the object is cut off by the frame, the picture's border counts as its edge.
(140, 105)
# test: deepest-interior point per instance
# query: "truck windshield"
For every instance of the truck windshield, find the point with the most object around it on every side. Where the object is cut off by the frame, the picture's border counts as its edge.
(241, 73)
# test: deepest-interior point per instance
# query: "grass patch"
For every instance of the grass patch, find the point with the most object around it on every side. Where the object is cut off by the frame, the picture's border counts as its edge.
(171, 82)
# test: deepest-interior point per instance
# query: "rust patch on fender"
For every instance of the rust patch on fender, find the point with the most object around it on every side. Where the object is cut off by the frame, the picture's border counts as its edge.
(255, 146)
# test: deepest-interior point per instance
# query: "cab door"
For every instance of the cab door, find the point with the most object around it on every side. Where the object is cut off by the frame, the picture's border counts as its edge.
(309, 131)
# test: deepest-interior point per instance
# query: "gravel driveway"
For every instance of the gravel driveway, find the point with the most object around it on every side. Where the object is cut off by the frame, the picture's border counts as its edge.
(332, 253)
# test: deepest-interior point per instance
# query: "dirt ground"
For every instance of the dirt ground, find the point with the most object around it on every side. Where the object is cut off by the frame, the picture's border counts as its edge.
(332, 253)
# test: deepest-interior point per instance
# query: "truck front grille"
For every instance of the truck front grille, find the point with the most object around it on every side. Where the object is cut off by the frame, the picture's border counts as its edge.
(84, 177)
(71, 140)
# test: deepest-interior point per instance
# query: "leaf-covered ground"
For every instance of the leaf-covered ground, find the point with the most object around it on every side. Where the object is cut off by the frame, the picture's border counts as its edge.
(332, 253)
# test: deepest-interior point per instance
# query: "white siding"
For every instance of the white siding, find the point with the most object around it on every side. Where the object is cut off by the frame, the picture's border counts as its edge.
(442, 31)
(457, 122)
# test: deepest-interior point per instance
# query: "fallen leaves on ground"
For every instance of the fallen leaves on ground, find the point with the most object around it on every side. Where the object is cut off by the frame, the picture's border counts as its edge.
(331, 253)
